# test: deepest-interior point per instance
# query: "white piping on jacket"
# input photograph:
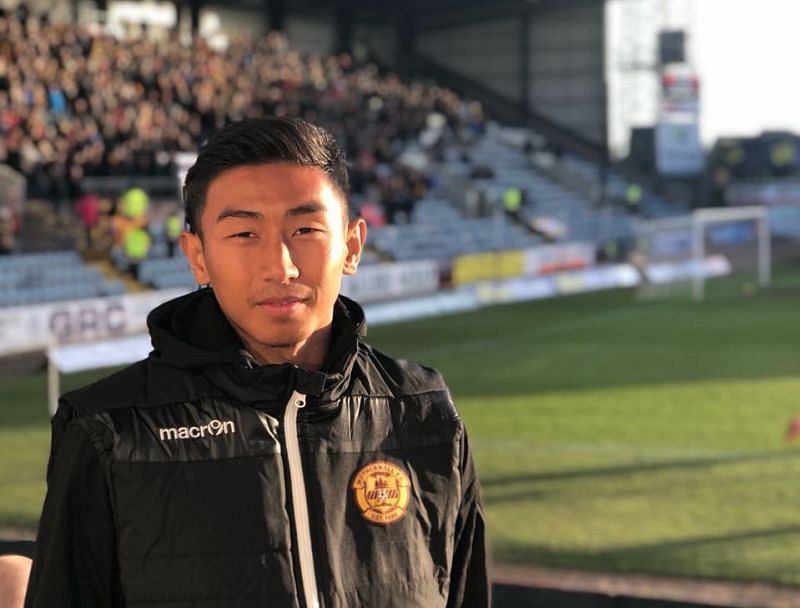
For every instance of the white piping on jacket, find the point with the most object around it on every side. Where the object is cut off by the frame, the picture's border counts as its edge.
(299, 500)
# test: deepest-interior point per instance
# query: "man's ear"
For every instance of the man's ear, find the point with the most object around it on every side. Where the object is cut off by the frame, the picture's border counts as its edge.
(355, 237)
(192, 247)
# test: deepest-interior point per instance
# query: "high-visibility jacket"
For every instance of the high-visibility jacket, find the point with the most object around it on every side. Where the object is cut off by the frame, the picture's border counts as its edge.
(137, 244)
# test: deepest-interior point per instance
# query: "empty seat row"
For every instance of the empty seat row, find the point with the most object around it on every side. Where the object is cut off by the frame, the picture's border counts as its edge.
(55, 293)
(174, 279)
(20, 278)
(47, 259)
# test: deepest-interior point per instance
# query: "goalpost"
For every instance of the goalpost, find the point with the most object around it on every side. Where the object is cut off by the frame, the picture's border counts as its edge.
(677, 255)
(703, 218)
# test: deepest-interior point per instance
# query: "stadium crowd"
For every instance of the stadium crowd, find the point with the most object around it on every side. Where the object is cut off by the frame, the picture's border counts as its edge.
(76, 101)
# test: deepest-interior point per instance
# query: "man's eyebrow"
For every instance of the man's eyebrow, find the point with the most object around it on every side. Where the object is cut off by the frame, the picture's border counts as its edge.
(238, 213)
(306, 208)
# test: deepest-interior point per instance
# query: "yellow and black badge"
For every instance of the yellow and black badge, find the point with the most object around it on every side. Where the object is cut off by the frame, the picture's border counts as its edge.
(381, 492)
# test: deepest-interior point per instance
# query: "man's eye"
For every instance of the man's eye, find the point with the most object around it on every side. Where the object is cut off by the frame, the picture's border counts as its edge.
(306, 230)
(243, 235)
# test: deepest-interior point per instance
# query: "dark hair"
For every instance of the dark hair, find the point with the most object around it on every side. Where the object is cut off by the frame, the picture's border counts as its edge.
(256, 141)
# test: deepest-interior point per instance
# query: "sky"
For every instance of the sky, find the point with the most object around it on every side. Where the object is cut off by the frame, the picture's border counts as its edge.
(746, 54)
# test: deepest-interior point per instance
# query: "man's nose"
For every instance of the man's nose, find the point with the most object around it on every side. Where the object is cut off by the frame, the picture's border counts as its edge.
(276, 262)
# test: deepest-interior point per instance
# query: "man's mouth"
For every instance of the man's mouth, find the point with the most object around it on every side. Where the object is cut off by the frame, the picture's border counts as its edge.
(280, 305)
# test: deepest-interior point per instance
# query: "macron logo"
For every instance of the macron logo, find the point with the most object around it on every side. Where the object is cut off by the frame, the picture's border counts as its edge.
(215, 428)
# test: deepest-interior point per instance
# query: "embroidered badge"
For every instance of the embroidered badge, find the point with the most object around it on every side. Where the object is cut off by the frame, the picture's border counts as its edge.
(381, 492)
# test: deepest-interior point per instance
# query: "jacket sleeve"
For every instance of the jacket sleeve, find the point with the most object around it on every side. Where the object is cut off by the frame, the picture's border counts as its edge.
(469, 580)
(75, 562)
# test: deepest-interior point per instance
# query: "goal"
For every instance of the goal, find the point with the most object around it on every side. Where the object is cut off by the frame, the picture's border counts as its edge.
(678, 255)
(703, 219)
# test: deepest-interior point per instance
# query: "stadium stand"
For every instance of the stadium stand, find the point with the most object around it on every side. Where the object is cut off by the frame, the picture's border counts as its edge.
(36, 278)
(545, 197)
(101, 108)
(616, 186)
(167, 272)
(76, 103)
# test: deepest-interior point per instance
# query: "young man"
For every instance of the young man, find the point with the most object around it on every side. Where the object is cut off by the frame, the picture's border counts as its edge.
(263, 455)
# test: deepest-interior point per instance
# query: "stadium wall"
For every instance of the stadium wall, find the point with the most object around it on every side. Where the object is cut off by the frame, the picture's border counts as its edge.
(307, 33)
(237, 21)
(310, 34)
(380, 39)
(566, 66)
(495, 63)
(547, 58)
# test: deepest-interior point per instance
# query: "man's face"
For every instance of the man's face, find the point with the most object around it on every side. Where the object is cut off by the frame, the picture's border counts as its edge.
(275, 244)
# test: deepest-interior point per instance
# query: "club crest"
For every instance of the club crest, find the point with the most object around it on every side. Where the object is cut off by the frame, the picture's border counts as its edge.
(381, 492)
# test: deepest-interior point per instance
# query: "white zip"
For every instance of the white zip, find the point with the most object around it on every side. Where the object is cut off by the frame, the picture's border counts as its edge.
(299, 500)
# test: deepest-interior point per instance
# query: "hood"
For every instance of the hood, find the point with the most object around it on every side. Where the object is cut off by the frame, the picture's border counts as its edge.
(192, 333)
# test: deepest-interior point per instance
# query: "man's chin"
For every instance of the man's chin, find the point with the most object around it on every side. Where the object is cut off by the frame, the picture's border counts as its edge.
(281, 345)
(282, 340)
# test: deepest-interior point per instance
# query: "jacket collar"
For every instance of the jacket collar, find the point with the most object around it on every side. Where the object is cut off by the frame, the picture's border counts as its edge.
(191, 332)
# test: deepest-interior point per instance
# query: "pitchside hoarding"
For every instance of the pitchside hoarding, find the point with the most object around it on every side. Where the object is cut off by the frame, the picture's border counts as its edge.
(34, 328)
(542, 260)
(390, 281)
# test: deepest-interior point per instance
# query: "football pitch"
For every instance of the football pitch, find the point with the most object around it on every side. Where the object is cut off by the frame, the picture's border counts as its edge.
(610, 434)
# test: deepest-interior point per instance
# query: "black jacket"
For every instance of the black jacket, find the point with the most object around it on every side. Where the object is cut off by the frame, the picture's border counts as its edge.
(198, 479)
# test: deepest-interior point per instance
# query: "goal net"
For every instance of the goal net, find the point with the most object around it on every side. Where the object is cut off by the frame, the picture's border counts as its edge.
(681, 256)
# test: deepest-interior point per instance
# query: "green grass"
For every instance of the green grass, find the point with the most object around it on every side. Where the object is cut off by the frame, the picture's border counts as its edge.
(25, 444)
(609, 434)
(632, 437)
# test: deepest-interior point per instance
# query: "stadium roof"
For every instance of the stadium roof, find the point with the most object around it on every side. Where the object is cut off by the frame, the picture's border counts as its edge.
(383, 9)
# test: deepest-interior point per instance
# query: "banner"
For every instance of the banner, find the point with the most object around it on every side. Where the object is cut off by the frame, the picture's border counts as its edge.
(516, 290)
(773, 192)
(541, 260)
(33, 328)
(679, 150)
(486, 266)
(71, 358)
(376, 282)
(712, 266)
(563, 256)
(460, 300)
(596, 279)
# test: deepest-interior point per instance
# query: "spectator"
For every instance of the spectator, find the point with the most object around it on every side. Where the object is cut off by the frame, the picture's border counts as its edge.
(372, 214)
(173, 227)
(136, 248)
(77, 102)
(633, 196)
(135, 205)
(88, 210)
(512, 201)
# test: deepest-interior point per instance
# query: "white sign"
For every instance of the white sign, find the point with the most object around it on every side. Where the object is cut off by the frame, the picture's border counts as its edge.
(712, 266)
(678, 148)
(516, 290)
(460, 300)
(784, 192)
(376, 282)
(71, 358)
(34, 328)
